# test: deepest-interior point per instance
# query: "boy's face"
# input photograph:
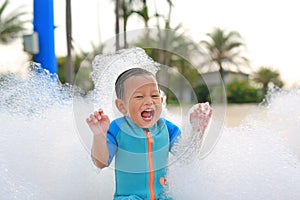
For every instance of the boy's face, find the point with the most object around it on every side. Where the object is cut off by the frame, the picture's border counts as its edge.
(142, 102)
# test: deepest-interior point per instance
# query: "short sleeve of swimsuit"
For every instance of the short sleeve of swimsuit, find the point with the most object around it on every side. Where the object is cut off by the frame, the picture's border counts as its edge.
(111, 140)
(174, 132)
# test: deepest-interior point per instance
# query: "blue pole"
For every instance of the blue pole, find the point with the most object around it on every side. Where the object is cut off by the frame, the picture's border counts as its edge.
(43, 22)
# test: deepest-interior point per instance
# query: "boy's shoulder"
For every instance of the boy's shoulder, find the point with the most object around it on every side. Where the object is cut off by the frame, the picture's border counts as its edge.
(115, 125)
(171, 127)
(118, 121)
(167, 122)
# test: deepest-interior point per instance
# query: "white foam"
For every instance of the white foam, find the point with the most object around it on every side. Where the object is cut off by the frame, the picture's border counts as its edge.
(42, 154)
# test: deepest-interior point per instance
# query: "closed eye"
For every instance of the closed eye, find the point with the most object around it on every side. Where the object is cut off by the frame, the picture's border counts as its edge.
(155, 96)
(138, 97)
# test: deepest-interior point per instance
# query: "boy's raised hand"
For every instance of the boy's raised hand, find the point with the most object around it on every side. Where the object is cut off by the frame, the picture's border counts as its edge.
(200, 116)
(98, 122)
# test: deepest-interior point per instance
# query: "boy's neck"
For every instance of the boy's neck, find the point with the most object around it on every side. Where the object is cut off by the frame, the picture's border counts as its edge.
(146, 129)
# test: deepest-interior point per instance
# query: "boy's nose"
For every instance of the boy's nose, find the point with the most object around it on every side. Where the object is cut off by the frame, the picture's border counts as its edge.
(148, 101)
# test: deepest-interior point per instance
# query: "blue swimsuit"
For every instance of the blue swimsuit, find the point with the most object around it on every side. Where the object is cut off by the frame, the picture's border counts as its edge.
(141, 157)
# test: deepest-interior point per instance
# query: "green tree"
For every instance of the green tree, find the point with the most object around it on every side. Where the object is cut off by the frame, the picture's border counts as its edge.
(224, 47)
(240, 91)
(266, 76)
(11, 24)
(143, 12)
(124, 9)
(82, 67)
(202, 93)
(182, 51)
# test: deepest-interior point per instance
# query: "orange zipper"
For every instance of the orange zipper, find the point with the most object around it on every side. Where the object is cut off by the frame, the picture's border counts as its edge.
(151, 165)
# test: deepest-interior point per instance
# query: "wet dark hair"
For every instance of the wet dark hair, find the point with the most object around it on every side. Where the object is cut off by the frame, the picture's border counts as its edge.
(119, 84)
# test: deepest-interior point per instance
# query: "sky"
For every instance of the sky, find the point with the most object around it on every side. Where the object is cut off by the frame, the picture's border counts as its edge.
(269, 28)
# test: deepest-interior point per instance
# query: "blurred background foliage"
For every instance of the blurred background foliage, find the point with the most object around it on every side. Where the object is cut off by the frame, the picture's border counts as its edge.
(225, 52)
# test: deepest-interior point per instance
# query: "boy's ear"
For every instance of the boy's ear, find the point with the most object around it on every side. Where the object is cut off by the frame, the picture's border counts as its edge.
(121, 106)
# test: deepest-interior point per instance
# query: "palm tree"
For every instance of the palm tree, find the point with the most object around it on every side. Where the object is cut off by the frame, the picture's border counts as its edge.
(11, 25)
(265, 76)
(125, 9)
(224, 48)
(143, 12)
(117, 26)
(70, 70)
(129, 7)
(173, 49)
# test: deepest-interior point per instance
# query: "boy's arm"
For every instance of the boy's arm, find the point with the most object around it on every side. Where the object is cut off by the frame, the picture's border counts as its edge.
(99, 124)
(99, 152)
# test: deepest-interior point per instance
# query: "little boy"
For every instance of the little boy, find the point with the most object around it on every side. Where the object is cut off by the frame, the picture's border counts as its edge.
(141, 140)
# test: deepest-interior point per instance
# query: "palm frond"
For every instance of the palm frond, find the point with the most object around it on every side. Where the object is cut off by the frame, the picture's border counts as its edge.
(12, 25)
(2, 8)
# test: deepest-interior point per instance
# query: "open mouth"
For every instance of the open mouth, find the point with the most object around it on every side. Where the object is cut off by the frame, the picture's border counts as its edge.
(147, 114)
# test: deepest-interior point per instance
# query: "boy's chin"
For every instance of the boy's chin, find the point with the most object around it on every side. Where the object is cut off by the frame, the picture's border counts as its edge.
(146, 123)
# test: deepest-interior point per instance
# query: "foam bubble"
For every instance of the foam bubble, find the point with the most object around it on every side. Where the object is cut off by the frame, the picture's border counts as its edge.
(252, 161)
(42, 157)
